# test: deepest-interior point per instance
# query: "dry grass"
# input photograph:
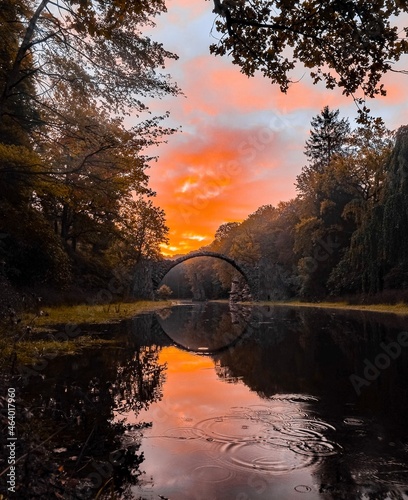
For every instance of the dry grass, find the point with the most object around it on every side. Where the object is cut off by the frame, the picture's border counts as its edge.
(33, 346)
(30, 351)
(93, 314)
(400, 308)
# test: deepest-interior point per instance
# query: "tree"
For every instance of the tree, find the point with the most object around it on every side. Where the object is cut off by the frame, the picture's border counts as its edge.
(164, 292)
(340, 201)
(264, 240)
(18, 162)
(69, 168)
(66, 58)
(30, 252)
(96, 47)
(348, 44)
(379, 249)
(208, 277)
(224, 231)
(18, 114)
(321, 234)
(143, 229)
(328, 137)
(363, 168)
(94, 165)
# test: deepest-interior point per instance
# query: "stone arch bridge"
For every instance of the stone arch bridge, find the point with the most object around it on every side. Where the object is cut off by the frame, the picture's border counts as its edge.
(149, 274)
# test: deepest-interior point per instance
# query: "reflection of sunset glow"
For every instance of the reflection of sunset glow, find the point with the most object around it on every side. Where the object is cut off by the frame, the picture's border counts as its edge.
(181, 361)
(243, 140)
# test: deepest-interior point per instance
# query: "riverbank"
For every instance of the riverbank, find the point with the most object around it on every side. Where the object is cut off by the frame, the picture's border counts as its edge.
(97, 313)
(55, 330)
(400, 308)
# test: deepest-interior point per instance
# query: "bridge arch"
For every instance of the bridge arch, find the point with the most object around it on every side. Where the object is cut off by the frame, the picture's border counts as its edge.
(154, 272)
(164, 269)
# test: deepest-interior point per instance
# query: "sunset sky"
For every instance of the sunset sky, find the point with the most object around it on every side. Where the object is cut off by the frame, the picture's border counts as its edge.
(241, 144)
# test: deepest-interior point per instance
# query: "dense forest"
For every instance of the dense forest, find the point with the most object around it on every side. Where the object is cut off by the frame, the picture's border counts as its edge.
(75, 203)
(345, 232)
(77, 212)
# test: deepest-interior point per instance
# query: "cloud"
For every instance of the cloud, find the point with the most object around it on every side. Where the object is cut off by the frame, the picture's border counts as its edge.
(218, 175)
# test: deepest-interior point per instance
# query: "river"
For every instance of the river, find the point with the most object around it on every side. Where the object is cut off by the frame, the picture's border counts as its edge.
(202, 402)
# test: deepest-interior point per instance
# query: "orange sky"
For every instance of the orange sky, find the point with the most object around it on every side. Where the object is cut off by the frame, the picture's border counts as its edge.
(242, 140)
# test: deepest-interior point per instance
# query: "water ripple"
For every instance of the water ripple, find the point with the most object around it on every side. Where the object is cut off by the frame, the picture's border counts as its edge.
(210, 473)
(184, 433)
(272, 439)
(276, 461)
(354, 422)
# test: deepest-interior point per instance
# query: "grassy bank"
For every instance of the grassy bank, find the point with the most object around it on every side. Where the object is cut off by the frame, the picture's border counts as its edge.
(93, 314)
(400, 309)
(29, 351)
(29, 346)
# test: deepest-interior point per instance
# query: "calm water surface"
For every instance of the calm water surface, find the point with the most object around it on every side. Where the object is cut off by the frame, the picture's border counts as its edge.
(205, 402)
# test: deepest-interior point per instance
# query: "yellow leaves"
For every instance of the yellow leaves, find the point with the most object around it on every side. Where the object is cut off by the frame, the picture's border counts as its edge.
(307, 223)
(17, 157)
(326, 205)
(355, 210)
(304, 232)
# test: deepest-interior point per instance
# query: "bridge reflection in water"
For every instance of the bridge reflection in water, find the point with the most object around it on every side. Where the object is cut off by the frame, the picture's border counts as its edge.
(205, 327)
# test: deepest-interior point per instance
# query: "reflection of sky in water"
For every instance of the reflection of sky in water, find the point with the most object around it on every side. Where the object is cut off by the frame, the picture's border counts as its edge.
(212, 439)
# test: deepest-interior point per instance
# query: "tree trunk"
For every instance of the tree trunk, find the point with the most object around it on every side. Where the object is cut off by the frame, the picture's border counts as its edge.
(15, 76)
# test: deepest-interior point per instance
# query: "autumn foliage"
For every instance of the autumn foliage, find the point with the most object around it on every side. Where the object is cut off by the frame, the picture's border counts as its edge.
(75, 199)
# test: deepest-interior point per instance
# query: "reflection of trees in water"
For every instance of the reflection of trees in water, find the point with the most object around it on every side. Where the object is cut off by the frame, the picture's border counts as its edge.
(140, 381)
(288, 351)
(240, 314)
(164, 313)
(304, 351)
(81, 395)
(300, 351)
